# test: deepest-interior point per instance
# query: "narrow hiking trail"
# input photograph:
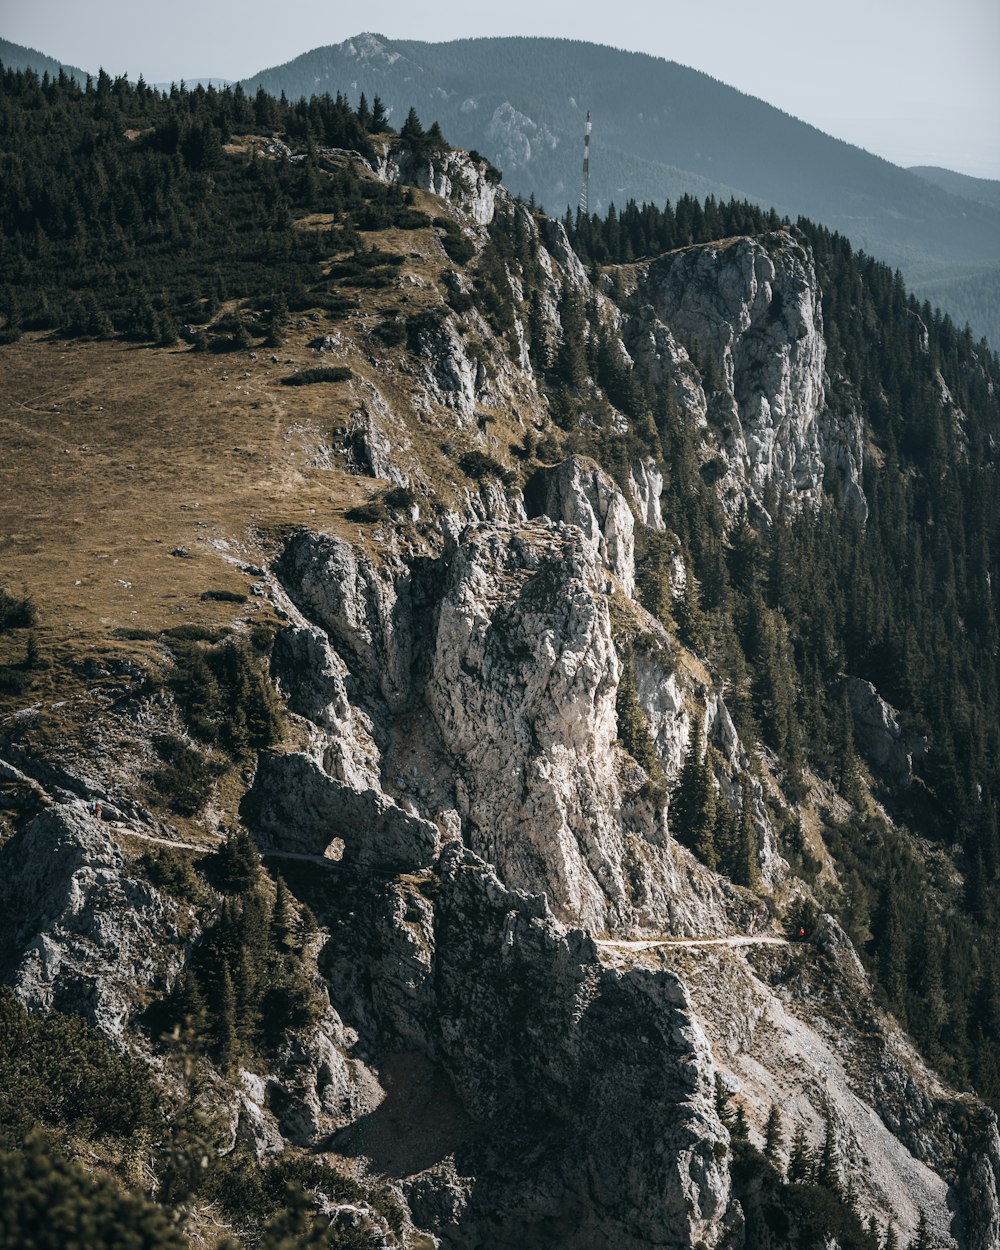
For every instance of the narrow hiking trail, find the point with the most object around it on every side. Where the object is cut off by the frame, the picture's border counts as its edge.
(625, 945)
(643, 944)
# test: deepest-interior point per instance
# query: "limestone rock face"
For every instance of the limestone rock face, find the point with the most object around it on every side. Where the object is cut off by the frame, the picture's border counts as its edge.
(660, 357)
(450, 376)
(578, 492)
(86, 935)
(364, 612)
(750, 311)
(369, 448)
(299, 808)
(315, 679)
(978, 1190)
(522, 689)
(316, 1086)
(647, 486)
(453, 176)
(502, 730)
(604, 1080)
(517, 138)
(877, 730)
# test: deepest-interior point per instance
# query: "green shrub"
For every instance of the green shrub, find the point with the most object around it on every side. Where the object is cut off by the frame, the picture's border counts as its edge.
(16, 613)
(476, 464)
(224, 596)
(50, 1203)
(187, 777)
(57, 1070)
(197, 633)
(391, 332)
(387, 506)
(321, 373)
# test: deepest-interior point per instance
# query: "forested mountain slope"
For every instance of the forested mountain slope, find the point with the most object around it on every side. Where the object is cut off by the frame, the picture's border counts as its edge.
(16, 56)
(660, 130)
(498, 718)
(984, 190)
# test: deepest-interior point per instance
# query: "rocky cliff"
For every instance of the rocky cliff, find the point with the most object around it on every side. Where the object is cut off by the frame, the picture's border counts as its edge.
(539, 992)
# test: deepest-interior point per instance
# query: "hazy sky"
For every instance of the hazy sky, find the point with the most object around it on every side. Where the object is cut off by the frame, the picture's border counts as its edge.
(916, 81)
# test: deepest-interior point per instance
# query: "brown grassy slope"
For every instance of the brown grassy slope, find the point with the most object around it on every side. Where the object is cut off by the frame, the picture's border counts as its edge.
(116, 455)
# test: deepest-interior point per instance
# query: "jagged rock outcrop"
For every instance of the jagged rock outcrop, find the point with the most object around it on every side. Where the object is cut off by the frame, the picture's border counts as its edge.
(364, 611)
(451, 377)
(367, 443)
(877, 731)
(749, 310)
(451, 174)
(517, 138)
(604, 1079)
(522, 689)
(509, 734)
(295, 806)
(316, 1085)
(646, 482)
(80, 932)
(314, 679)
(977, 1191)
(579, 492)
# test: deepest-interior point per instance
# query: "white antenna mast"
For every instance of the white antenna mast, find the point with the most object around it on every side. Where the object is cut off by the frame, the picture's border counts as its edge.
(585, 186)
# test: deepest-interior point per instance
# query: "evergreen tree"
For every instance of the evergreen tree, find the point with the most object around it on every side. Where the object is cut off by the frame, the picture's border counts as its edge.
(282, 919)
(747, 867)
(774, 1138)
(412, 132)
(801, 1160)
(226, 1028)
(922, 1239)
(828, 1164)
(380, 119)
(692, 805)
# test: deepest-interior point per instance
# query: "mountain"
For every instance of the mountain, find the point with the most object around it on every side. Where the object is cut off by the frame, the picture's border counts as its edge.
(981, 190)
(14, 56)
(660, 129)
(498, 724)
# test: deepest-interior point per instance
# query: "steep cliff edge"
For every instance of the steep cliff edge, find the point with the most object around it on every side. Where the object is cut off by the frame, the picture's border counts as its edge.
(749, 312)
(540, 948)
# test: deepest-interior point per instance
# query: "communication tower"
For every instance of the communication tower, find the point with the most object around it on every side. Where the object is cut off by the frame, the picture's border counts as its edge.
(585, 185)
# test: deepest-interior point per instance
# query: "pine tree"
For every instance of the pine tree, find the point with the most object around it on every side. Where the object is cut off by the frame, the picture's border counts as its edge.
(922, 1237)
(237, 863)
(692, 806)
(380, 118)
(412, 132)
(226, 1030)
(190, 1008)
(723, 1109)
(846, 766)
(828, 1164)
(282, 919)
(802, 1160)
(747, 858)
(774, 1137)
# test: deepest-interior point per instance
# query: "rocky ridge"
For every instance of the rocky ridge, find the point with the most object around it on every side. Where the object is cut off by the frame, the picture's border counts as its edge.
(486, 857)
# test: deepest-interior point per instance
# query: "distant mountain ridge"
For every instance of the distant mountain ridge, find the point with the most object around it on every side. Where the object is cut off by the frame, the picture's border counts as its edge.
(17, 56)
(660, 129)
(982, 190)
